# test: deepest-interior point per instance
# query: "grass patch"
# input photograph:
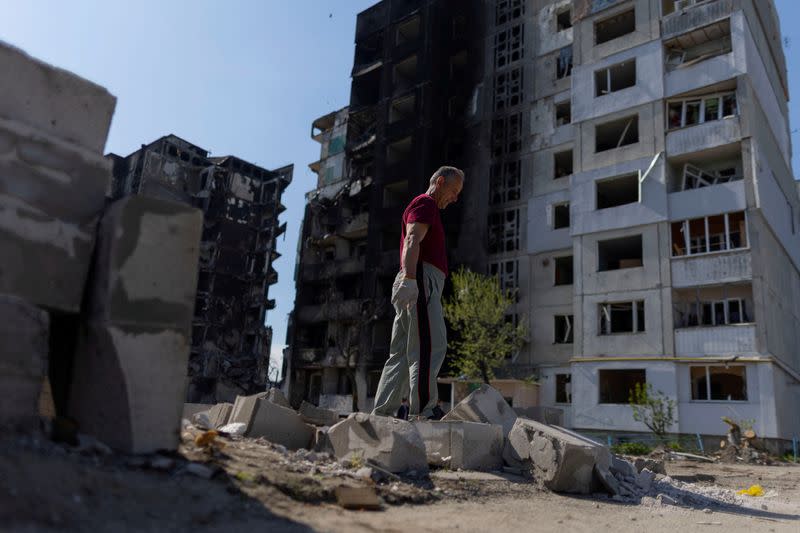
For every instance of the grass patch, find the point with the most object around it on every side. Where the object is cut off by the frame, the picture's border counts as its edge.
(631, 448)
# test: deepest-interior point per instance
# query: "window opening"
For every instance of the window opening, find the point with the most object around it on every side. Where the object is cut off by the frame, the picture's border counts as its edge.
(693, 111)
(561, 216)
(505, 182)
(623, 317)
(616, 385)
(614, 27)
(616, 254)
(509, 46)
(563, 329)
(504, 231)
(698, 45)
(563, 270)
(615, 78)
(564, 63)
(613, 192)
(562, 164)
(563, 113)
(709, 234)
(564, 19)
(617, 133)
(719, 383)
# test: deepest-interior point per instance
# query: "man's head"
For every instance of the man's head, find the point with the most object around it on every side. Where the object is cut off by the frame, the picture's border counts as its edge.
(403, 401)
(445, 185)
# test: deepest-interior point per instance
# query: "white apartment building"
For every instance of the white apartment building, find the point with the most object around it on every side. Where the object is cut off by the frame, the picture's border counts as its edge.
(641, 199)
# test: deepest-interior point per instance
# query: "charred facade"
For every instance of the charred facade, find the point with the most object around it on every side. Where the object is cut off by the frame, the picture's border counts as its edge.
(413, 108)
(241, 203)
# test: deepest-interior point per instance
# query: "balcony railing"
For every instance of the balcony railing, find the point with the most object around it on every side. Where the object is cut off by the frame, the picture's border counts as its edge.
(696, 16)
(738, 339)
(689, 271)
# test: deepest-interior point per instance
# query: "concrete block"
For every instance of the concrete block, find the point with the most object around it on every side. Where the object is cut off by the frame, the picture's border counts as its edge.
(54, 100)
(459, 444)
(486, 405)
(560, 461)
(24, 331)
(146, 267)
(191, 409)
(394, 445)
(280, 425)
(276, 396)
(552, 416)
(244, 408)
(622, 467)
(214, 417)
(51, 197)
(317, 416)
(128, 386)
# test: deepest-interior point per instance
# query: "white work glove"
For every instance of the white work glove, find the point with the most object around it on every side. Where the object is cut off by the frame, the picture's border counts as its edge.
(404, 293)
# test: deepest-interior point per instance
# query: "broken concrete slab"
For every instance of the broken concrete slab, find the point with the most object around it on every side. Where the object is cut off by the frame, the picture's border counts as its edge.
(560, 461)
(546, 415)
(276, 396)
(53, 100)
(391, 443)
(213, 418)
(191, 409)
(24, 332)
(459, 444)
(125, 289)
(128, 386)
(51, 196)
(622, 467)
(655, 465)
(280, 425)
(317, 416)
(486, 405)
(244, 407)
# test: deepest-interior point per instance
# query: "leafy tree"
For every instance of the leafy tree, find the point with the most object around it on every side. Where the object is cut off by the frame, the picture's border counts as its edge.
(653, 408)
(477, 314)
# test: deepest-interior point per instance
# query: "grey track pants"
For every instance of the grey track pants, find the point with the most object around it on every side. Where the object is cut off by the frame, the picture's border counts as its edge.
(417, 350)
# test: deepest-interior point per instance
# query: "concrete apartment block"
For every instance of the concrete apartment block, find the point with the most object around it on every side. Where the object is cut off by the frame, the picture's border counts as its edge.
(128, 381)
(55, 102)
(24, 331)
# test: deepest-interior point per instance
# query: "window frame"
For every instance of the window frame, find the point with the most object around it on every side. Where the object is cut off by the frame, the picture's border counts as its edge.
(701, 100)
(687, 239)
(604, 310)
(569, 337)
(708, 398)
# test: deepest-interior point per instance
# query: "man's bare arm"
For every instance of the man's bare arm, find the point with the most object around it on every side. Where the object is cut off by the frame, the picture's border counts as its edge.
(415, 232)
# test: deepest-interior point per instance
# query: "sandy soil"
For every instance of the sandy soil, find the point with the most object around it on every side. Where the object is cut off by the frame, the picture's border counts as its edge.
(46, 486)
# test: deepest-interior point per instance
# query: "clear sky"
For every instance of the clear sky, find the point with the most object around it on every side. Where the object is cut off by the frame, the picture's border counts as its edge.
(239, 77)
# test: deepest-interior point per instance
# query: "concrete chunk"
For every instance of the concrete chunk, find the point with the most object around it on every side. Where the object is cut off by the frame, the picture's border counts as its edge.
(53, 100)
(191, 409)
(319, 417)
(280, 425)
(276, 396)
(486, 405)
(244, 408)
(560, 461)
(215, 417)
(392, 444)
(24, 331)
(465, 445)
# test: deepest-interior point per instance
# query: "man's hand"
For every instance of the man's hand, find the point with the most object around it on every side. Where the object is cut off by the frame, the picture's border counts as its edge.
(405, 293)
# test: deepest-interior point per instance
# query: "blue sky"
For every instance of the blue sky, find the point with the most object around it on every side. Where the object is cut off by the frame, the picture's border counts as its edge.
(239, 77)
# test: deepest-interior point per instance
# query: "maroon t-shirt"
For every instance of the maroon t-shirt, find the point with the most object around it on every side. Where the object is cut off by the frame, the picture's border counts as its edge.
(423, 209)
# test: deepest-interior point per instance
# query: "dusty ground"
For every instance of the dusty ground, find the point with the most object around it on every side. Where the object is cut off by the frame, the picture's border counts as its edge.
(46, 486)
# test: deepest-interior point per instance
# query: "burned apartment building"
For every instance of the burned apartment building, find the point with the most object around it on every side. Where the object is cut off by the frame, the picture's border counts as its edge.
(240, 203)
(628, 174)
(415, 69)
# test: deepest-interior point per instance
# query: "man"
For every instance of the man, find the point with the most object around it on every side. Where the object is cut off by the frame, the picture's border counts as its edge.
(419, 340)
(438, 410)
(402, 413)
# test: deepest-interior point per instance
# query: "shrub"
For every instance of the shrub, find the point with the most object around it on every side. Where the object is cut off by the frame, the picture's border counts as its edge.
(631, 448)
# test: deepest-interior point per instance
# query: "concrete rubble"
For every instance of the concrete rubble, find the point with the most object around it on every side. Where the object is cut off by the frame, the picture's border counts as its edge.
(393, 444)
(213, 418)
(280, 425)
(486, 405)
(462, 445)
(317, 416)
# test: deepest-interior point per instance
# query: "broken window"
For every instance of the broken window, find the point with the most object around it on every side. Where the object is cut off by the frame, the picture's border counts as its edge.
(508, 10)
(616, 386)
(694, 177)
(564, 19)
(621, 190)
(564, 63)
(622, 317)
(709, 234)
(705, 311)
(395, 194)
(698, 45)
(405, 73)
(617, 133)
(399, 151)
(506, 273)
(505, 182)
(563, 329)
(563, 113)
(506, 135)
(563, 388)
(330, 253)
(402, 108)
(616, 254)
(615, 78)
(504, 231)
(509, 46)
(560, 215)
(701, 109)
(408, 31)
(614, 27)
(563, 270)
(508, 89)
(719, 383)
(562, 164)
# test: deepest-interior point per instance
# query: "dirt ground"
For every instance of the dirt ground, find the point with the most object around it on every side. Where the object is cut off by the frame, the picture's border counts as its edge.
(254, 485)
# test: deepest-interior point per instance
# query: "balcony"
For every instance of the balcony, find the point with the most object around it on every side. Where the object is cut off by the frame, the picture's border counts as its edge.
(331, 269)
(712, 269)
(355, 227)
(738, 339)
(703, 136)
(333, 310)
(695, 16)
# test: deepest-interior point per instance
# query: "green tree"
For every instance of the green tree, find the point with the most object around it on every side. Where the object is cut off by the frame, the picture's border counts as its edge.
(477, 314)
(652, 408)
